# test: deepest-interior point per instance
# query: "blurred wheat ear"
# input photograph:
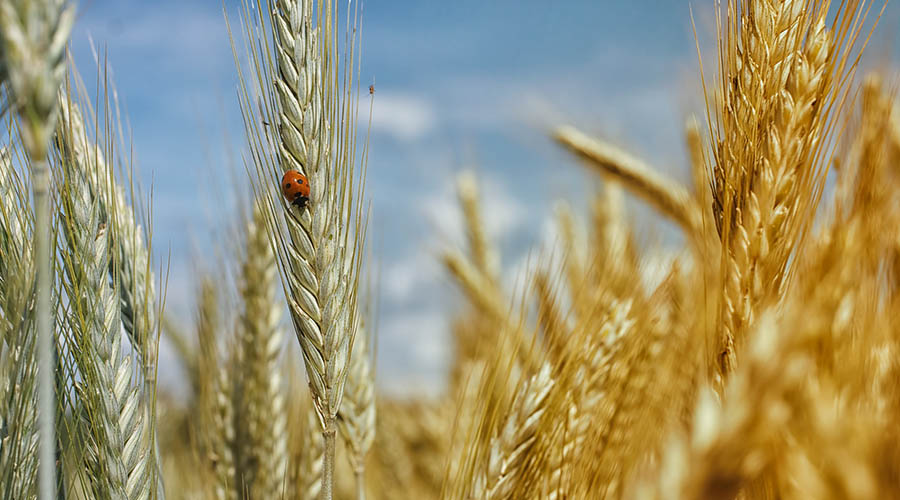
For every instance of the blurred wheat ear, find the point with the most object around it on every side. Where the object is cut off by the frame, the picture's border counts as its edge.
(214, 388)
(509, 449)
(262, 407)
(356, 419)
(303, 83)
(18, 371)
(33, 37)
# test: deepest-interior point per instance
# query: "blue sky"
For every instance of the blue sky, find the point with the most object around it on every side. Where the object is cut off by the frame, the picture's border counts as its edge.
(458, 84)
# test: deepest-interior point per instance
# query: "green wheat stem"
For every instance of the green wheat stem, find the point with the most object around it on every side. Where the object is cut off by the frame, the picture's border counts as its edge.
(46, 378)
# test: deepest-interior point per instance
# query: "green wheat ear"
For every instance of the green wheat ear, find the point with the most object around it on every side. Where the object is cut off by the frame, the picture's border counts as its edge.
(307, 89)
(33, 37)
(94, 202)
(18, 371)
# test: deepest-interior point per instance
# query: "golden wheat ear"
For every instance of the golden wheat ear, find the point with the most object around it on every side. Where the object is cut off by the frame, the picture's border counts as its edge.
(666, 195)
(784, 78)
(511, 446)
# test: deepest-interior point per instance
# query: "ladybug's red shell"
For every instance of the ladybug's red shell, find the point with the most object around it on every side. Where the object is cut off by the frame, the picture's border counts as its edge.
(295, 187)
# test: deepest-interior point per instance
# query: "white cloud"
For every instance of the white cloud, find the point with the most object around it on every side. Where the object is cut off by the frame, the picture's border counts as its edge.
(409, 274)
(413, 352)
(502, 213)
(403, 116)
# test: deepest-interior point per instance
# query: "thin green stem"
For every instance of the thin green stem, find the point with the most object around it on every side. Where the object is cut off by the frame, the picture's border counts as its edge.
(45, 340)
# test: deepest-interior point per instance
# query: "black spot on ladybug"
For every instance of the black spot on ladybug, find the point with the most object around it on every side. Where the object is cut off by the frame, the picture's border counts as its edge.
(300, 181)
(287, 185)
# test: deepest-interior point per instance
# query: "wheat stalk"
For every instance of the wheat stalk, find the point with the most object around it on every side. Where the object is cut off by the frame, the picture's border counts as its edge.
(574, 243)
(732, 443)
(262, 402)
(476, 285)
(356, 420)
(666, 195)
(221, 438)
(478, 272)
(482, 253)
(119, 459)
(32, 62)
(214, 396)
(509, 448)
(18, 417)
(550, 317)
(308, 88)
(575, 258)
(699, 173)
(633, 412)
(206, 327)
(33, 36)
(321, 300)
(613, 261)
(413, 436)
(468, 403)
(783, 84)
(130, 267)
(848, 250)
(15, 225)
(602, 369)
(310, 463)
(487, 298)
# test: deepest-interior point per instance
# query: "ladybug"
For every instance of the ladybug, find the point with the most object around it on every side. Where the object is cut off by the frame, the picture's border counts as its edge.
(295, 187)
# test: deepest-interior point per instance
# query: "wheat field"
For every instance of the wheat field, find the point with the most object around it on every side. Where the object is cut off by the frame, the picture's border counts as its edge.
(763, 363)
